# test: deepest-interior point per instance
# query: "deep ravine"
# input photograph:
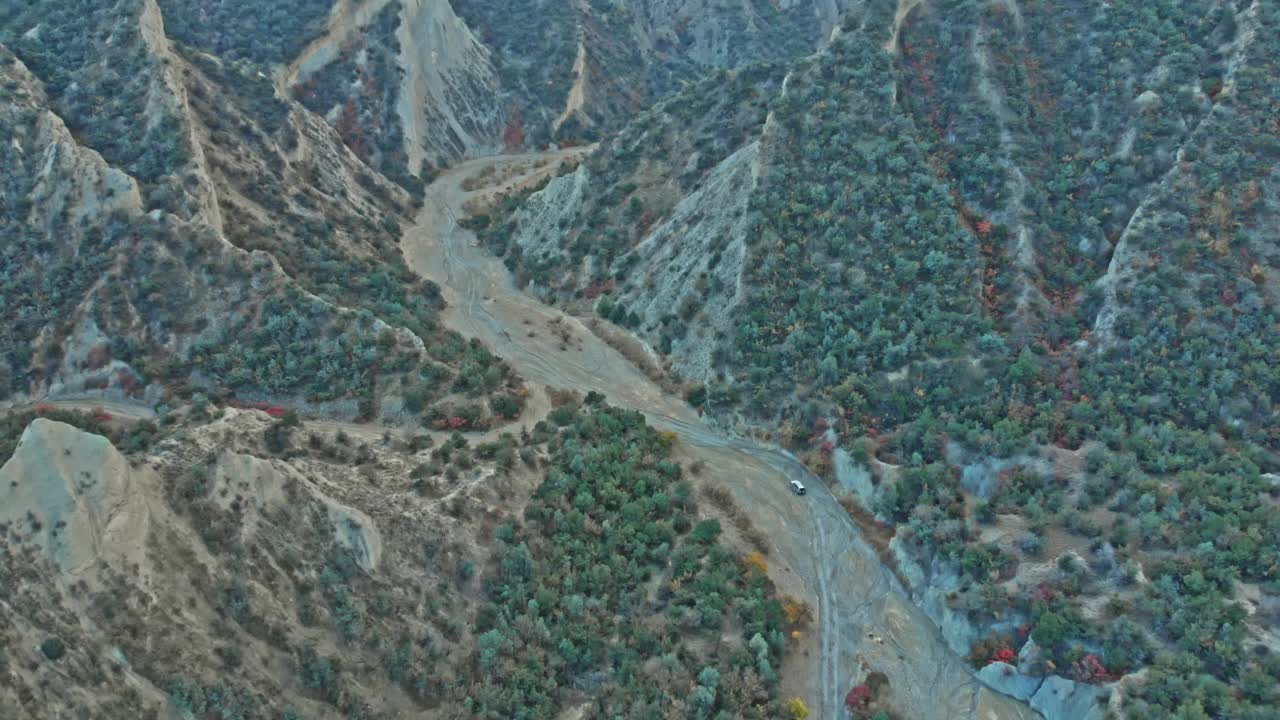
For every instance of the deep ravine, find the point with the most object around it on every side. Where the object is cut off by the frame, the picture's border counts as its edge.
(865, 620)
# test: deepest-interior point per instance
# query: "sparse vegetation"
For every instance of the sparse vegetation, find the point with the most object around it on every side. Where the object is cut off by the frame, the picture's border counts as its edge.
(359, 92)
(1039, 237)
(1017, 260)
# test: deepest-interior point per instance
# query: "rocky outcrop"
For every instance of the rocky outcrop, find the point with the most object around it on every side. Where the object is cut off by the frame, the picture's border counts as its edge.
(688, 266)
(168, 102)
(717, 34)
(70, 181)
(542, 215)
(1005, 678)
(264, 482)
(448, 104)
(75, 180)
(346, 20)
(447, 101)
(1055, 697)
(1062, 699)
(74, 497)
(929, 587)
(853, 477)
(692, 264)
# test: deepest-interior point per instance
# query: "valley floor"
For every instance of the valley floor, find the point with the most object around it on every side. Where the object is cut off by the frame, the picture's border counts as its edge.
(865, 620)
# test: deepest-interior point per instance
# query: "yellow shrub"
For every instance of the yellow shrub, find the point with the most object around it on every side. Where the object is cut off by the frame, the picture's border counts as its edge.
(795, 610)
(756, 560)
(797, 710)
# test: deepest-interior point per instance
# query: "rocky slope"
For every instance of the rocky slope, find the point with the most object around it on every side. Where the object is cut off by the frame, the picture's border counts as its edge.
(474, 78)
(656, 220)
(239, 566)
(1022, 273)
(1004, 272)
(277, 245)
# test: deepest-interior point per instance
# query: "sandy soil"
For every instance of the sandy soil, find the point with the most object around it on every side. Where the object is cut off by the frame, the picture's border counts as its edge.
(899, 17)
(577, 93)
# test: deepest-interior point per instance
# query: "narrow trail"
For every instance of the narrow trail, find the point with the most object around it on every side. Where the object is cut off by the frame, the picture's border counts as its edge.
(536, 407)
(345, 20)
(865, 620)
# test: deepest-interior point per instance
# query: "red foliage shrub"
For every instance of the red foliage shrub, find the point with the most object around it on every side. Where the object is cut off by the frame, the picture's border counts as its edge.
(128, 382)
(453, 422)
(513, 133)
(99, 355)
(348, 126)
(859, 697)
(1090, 670)
(595, 290)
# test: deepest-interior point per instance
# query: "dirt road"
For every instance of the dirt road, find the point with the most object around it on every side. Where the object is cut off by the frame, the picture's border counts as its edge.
(537, 405)
(864, 618)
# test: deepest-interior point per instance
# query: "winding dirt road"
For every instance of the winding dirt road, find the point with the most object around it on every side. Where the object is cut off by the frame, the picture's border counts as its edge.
(865, 621)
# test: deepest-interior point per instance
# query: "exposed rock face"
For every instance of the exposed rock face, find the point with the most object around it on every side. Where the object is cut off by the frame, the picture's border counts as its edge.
(477, 80)
(447, 103)
(693, 263)
(929, 588)
(1005, 678)
(266, 483)
(347, 20)
(853, 477)
(1062, 699)
(75, 497)
(541, 217)
(72, 179)
(1055, 697)
(690, 265)
(159, 566)
(723, 35)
